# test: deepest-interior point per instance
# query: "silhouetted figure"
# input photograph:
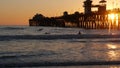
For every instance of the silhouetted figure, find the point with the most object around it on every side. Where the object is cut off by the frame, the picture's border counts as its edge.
(79, 33)
(40, 29)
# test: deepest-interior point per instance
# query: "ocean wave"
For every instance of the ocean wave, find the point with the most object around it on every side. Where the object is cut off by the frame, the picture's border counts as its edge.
(68, 63)
(11, 55)
(54, 37)
(13, 28)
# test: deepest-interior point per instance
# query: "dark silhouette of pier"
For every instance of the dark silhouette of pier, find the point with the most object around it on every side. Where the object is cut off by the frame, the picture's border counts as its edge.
(88, 20)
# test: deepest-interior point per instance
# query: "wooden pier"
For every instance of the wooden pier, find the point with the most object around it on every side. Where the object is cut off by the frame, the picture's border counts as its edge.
(96, 20)
(93, 20)
(101, 19)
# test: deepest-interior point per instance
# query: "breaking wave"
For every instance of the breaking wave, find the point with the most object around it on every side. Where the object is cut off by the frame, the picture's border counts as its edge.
(13, 28)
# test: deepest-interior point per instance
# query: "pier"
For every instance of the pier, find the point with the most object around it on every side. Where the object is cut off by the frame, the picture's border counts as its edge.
(100, 19)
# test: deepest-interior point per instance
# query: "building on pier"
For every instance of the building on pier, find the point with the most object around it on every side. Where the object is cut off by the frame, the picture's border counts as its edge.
(101, 19)
(88, 6)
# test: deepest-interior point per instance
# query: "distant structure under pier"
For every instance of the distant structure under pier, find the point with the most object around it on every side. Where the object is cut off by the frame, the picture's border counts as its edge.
(101, 19)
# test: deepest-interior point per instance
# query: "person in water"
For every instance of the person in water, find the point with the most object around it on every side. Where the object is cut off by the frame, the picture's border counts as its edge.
(79, 33)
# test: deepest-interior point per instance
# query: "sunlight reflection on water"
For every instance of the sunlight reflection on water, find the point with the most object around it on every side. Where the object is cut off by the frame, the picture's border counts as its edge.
(111, 46)
(113, 53)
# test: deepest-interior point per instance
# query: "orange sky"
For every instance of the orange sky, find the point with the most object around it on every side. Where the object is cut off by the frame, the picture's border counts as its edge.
(18, 12)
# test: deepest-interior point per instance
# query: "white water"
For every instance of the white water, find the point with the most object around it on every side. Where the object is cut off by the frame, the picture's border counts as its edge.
(22, 50)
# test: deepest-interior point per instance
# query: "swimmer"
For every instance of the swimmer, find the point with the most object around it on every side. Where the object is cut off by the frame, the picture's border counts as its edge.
(79, 33)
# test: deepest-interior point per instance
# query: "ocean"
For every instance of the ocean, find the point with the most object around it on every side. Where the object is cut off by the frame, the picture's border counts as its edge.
(57, 47)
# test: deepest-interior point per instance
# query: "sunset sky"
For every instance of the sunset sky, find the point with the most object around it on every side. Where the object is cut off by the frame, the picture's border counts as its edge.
(18, 12)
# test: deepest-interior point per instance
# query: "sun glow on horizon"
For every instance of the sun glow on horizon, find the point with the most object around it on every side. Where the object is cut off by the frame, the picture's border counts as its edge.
(113, 18)
(18, 12)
